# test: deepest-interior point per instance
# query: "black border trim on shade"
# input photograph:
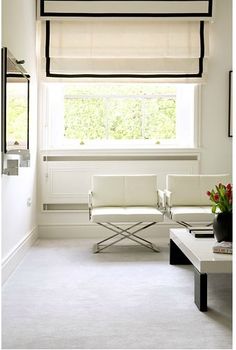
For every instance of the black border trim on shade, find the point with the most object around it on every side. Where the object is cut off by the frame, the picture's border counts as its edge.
(143, 76)
(202, 47)
(230, 101)
(129, 0)
(43, 13)
(47, 48)
(210, 8)
(14, 75)
(42, 10)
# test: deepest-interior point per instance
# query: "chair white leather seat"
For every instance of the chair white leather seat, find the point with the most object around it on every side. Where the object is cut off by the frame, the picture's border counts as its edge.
(126, 214)
(192, 214)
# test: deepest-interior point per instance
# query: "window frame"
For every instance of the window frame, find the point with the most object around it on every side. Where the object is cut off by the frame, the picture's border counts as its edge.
(49, 142)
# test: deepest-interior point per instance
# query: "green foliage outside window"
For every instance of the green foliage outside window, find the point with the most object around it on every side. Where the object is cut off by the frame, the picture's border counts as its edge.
(120, 113)
(161, 119)
(124, 119)
(84, 119)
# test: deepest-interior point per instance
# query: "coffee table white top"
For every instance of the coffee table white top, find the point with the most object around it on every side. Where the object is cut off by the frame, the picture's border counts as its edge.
(199, 252)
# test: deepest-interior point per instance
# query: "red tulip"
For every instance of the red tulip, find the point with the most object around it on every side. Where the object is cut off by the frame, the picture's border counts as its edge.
(222, 196)
(228, 194)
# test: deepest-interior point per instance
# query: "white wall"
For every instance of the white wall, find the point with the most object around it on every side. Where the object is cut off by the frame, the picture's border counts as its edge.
(216, 146)
(215, 151)
(19, 36)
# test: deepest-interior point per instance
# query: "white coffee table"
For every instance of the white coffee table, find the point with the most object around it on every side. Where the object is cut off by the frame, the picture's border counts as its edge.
(186, 249)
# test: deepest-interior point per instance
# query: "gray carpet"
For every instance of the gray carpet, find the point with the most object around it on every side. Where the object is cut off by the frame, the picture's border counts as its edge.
(64, 297)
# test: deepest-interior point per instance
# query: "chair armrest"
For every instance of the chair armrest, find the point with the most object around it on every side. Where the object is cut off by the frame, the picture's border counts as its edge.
(90, 205)
(161, 199)
(90, 196)
(168, 195)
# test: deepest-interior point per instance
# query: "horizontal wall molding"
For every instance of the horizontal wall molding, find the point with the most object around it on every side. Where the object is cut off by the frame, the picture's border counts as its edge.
(113, 151)
(90, 230)
(125, 8)
(11, 261)
(117, 158)
(68, 179)
(78, 207)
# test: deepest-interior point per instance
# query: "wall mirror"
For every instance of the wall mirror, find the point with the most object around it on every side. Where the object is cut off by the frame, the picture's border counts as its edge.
(14, 106)
(15, 103)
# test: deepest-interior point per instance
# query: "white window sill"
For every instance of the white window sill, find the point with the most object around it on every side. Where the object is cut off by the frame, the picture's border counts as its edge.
(144, 152)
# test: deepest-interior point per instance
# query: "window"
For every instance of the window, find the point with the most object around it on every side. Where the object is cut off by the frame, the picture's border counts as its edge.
(106, 115)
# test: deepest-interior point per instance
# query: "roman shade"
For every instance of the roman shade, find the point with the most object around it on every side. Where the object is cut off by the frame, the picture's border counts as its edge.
(125, 48)
(123, 8)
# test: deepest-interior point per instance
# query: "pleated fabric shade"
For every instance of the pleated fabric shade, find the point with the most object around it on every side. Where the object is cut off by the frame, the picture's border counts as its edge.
(116, 8)
(125, 48)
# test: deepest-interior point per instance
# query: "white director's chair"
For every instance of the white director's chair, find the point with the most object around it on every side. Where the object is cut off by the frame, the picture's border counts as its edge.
(116, 201)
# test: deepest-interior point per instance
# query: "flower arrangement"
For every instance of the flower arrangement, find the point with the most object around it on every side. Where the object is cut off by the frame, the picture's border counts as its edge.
(222, 198)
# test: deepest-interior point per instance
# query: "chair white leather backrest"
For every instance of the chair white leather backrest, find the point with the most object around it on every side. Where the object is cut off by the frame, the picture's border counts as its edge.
(191, 189)
(124, 190)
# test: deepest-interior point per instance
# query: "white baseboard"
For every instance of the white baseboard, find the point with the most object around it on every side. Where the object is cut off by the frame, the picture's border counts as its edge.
(11, 261)
(89, 230)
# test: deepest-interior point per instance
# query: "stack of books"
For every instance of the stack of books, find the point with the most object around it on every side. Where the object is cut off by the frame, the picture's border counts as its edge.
(223, 247)
(202, 231)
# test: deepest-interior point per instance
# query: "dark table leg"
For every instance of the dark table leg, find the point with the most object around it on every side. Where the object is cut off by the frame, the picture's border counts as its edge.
(177, 257)
(200, 279)
(200, 290)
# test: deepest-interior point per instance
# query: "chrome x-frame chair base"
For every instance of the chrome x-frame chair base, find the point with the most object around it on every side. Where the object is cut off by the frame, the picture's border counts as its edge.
(125, 233)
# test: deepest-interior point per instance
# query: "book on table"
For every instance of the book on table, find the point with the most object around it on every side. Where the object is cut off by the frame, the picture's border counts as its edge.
(202, 234)
(200, 228)
(223, 247)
